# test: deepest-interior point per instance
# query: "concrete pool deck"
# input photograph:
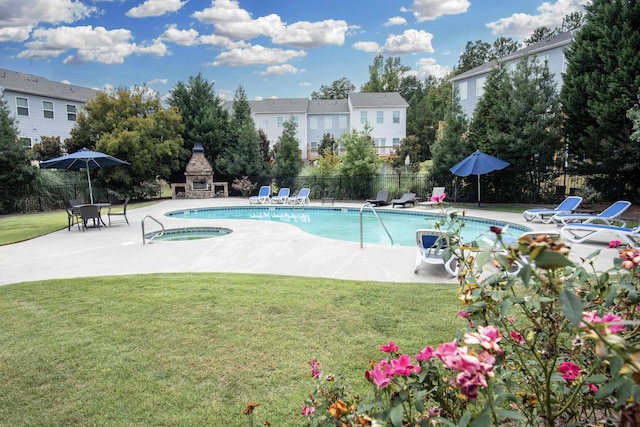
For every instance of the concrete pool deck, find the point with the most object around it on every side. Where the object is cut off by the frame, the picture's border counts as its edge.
(254, 247)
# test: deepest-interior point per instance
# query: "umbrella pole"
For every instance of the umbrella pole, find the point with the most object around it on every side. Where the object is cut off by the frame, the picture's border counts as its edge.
(89, 179)
(478, 190)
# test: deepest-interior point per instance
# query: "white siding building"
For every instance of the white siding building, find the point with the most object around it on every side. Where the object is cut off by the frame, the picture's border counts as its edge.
(470, 85)
(42, 107)
(385, 113)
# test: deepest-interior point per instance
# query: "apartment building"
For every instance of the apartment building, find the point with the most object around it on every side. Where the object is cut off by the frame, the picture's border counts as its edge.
(470, 85)
(42, 107)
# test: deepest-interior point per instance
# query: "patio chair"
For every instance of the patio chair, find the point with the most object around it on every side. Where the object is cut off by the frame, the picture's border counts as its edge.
(579, 232)
(437, 191)
(433, 249)
(90, 212)
(382, 199)
(302, 198)
(122, 213)
(282, 196)
(609, 216)
(264, 195)
(404, 200)
(567, 206)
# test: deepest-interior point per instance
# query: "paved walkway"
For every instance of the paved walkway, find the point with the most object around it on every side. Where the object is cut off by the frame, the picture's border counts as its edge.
(253, 247)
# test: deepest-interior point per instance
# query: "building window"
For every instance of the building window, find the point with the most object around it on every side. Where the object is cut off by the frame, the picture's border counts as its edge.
(462, 90)
(396, 142)
(363, 117)
(379, 116)
(47, 109)
(26, 143)
(396, 117)
(380, 142)
(72, 112)
(328, 123)
(313, 146)
(342, 122)
(480, 86)
(22, 105)
(313, 123)
(280, 121)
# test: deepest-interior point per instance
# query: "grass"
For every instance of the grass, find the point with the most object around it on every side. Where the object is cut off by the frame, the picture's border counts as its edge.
(194, 349)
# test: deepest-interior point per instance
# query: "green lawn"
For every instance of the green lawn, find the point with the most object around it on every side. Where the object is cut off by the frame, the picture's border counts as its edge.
(194, 349)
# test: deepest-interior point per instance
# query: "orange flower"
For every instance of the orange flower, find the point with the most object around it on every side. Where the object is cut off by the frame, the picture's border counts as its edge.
(250, 407)
(338, 409)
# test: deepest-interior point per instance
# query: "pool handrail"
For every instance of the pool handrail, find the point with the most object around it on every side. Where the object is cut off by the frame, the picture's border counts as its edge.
(144, 240)
(369, 205)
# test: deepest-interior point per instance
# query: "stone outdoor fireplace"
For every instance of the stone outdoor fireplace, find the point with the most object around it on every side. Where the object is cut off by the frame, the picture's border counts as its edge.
(199, 179)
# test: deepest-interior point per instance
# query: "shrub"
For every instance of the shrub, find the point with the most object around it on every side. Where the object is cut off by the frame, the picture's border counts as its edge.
(554, 344)
(244, 186)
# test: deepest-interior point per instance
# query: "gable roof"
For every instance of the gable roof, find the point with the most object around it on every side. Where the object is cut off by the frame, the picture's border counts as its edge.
(562, 39)
(377, 99)
(328, 106)
(279, 105)
(36, 85)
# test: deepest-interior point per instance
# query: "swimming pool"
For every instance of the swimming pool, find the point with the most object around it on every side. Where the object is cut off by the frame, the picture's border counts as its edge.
(344, 223)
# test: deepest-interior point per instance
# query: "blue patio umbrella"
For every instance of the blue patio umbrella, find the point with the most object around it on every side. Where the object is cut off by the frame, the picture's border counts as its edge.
(83, 159)
(478, 163)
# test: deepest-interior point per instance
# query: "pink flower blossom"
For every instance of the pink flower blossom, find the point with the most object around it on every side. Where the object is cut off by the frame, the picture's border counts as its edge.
(470, 382)
(487, 337)
(463, 314)
(315, 368)
(614, 244)
(425, 355)
(402, 366)
(389, 348)
(380, 374)
(307, 410)
(569, 370)
(592, 387)
(439, 198)
(517, 337)
(609, 320)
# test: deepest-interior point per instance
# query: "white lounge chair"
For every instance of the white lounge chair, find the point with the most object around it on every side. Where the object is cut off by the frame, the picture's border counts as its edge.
(433, 249)
(609, 216)
(302, 198)
(580, 232)
(264, 195)
(545, 215)
(282, 197)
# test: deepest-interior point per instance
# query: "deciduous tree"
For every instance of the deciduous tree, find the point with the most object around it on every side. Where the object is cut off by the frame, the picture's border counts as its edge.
(339, 89)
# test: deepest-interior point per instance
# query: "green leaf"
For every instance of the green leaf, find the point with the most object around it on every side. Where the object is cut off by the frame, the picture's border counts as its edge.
(482, 420)
(596, 379)
(551, 260)
(607, 389)
(611, 294)
(395, 415)
(571, 306)
(464, 420)
(512, 415)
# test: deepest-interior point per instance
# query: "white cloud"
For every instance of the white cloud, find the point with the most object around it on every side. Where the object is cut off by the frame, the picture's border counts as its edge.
(270, 26)
(429, 10)
(312, 34)
(411, 41)
(181, 37)
(367, 46)
(155, 8)
(18, 18)
(90, 45)
(281, 70)
(158, 82)
(255, 55)
(429, 67)
(221, 41)
(305, 84)
(396, 20)
(550, 15)
(223, 11)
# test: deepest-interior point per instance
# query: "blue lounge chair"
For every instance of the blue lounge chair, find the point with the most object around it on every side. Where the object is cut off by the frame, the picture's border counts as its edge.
(282, 197)
(544, 215)
(432, 249)
(302, 198)
(264, 195)
(608, 216)
(580, 232)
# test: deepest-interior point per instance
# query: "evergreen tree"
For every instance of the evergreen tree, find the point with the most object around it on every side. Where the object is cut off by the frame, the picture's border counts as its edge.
(16, 171)
(600, 86)
(204, 117)
(451, 146)
(328, 145)
(287, 155)
(266, 154)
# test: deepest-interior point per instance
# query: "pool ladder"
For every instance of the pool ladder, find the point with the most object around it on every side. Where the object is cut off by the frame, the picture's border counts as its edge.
(144, 240)
(369, 205)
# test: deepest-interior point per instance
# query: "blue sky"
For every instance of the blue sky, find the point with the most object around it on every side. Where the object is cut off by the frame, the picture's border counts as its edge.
(274, 48)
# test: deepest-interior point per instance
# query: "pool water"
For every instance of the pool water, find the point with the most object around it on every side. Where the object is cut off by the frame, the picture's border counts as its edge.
(344, 223)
